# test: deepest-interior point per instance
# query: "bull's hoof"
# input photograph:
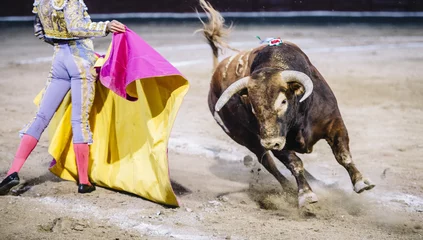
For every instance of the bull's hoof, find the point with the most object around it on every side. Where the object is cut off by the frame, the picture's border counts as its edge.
(362, 185)
(305, 198)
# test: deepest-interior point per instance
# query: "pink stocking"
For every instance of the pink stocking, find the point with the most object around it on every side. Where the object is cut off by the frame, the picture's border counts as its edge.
(25, 148)
(82, 153)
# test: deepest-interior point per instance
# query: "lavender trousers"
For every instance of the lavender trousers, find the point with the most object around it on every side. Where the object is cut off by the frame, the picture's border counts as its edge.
(72, 69)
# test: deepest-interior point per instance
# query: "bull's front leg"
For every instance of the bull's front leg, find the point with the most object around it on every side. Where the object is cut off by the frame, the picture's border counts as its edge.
(295, 165)
(267, 161)
(339, 142)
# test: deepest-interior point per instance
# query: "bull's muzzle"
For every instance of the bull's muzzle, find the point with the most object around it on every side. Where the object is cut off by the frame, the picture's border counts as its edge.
(273, 143)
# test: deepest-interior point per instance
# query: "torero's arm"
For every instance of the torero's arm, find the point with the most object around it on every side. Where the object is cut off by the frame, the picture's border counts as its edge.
(39, 30)
(78, 25)
(38, 26)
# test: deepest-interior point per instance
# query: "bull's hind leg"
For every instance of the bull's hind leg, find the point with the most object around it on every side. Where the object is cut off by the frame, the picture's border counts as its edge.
(295, 165)
(339, 142)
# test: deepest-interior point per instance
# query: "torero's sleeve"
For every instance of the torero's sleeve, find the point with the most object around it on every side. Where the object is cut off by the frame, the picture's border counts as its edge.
(39, 30)
(79, 23)
(38, 27)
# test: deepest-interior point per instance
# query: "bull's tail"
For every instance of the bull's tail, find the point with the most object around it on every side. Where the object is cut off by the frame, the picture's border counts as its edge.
(214, 31)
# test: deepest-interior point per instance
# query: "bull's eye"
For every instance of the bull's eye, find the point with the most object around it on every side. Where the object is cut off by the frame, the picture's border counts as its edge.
(281, 103)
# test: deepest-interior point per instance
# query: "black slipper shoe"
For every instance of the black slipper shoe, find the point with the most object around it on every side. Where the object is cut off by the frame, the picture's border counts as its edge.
(8, 183)
(86, 188)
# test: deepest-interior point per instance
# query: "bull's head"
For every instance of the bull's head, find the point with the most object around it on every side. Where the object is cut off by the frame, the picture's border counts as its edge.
(273, 96)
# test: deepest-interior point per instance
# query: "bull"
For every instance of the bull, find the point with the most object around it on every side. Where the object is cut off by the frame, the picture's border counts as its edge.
(272, 99)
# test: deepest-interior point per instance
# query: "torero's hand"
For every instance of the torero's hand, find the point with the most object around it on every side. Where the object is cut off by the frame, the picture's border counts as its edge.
(116, 26)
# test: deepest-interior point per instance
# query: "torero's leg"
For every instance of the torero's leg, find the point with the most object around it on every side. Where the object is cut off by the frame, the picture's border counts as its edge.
(56, 88)
(82, 90)
(55, 91)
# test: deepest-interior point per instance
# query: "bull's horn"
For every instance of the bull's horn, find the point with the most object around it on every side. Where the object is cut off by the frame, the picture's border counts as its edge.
(230, 91)
(296, 76)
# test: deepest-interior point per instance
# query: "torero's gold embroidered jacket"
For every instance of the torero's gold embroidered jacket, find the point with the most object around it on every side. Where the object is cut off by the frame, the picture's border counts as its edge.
(65, 20)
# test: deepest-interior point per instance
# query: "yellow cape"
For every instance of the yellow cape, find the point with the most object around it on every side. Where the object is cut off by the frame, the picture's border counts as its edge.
(129, 152)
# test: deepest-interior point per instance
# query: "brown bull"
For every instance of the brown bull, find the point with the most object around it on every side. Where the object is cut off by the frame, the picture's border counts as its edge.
(272, 98)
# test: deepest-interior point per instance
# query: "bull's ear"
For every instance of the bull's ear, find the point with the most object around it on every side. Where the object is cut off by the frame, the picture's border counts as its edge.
(296, 88)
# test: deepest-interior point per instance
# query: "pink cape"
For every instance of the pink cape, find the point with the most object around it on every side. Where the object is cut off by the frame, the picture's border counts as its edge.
(131, 59)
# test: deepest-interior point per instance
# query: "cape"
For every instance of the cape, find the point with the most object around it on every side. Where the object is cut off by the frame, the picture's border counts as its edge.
(136, 102)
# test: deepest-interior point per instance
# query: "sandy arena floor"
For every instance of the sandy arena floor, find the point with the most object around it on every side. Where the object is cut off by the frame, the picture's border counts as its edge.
(375, 72)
